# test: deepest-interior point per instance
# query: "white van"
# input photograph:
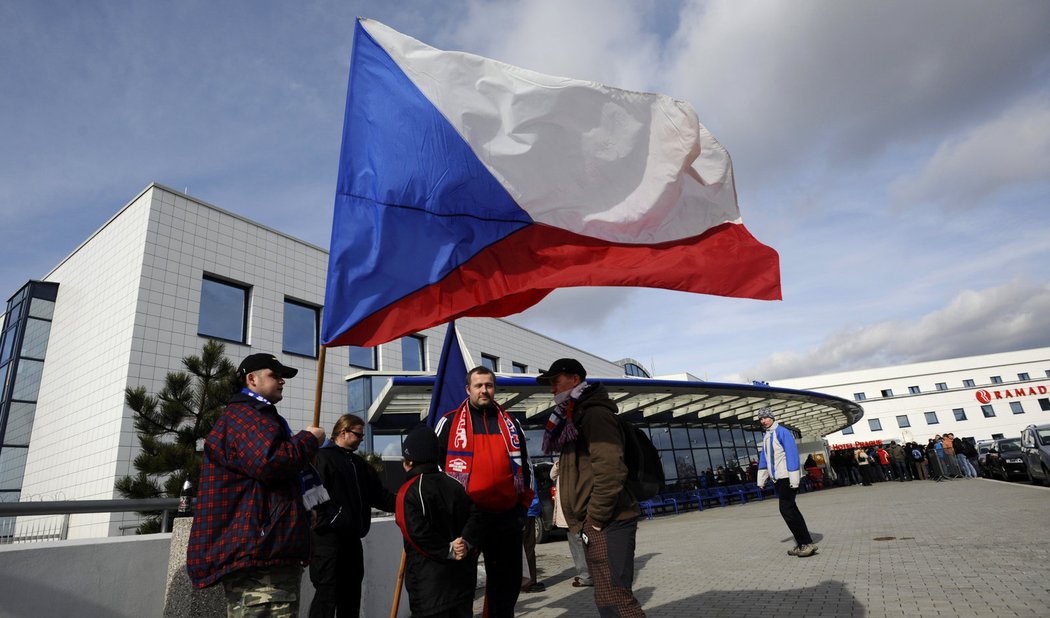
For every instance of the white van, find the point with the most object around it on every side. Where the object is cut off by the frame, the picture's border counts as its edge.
(1035, 449)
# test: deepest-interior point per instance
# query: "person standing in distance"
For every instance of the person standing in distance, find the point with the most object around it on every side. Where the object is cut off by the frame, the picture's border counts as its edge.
(778, 460)
(583, 428)
(483, 447)
(251, 530)
(337, 567)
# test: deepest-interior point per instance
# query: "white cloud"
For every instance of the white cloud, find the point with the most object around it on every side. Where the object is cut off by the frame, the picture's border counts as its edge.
(1013, 316)
(599, 40)
(1007, 152)
(786, 83)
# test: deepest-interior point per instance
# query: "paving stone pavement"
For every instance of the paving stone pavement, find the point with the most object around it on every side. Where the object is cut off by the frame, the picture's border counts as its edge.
(966, 547)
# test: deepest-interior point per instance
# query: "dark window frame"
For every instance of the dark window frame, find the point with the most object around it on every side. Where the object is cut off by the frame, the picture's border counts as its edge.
(246, 308)
(316, 340)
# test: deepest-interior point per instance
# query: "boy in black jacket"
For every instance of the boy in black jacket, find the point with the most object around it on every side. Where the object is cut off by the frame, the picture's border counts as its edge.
(440, 526)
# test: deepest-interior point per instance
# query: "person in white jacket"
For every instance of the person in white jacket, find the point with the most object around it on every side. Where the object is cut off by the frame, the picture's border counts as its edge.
(778, 460)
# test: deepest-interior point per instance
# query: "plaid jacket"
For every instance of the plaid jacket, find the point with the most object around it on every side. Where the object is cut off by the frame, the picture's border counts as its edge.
(249, 510)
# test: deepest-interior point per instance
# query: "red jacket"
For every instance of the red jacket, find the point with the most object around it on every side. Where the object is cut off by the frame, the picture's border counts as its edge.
(249, 510)
(491, 484)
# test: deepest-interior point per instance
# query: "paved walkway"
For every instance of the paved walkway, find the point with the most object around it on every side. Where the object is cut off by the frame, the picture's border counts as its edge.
(965, 547)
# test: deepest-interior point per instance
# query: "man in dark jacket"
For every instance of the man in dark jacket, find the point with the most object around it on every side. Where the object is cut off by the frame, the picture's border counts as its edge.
(251, 530)
(338, 568)
(440, 526)
(483, 447)
(583, 428)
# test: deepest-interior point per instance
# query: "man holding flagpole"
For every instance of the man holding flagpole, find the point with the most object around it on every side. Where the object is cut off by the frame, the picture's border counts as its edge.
(251, 531)
(483, 447)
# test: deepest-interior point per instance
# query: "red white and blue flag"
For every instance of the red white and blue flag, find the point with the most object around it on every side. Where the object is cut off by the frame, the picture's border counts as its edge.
(469, 187)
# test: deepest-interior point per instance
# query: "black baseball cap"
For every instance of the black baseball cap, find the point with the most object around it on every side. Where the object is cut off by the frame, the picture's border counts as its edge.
(420, 445)
(255, 362)
(562, 365)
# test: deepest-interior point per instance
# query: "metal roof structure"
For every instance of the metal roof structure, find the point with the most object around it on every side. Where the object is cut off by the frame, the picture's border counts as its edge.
(404, 401)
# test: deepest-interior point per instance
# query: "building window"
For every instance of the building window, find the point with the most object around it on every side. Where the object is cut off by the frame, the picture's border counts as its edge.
(1044, 403)
(633, 370)
(365, 358)
(997, 436)
(859, 396)
(412, 353)
(888, 392)
(1016, 407)
(490, 362)
(960, 414)
(223, 311)
(968, 383)
(941, 386)
(997, 380)
(848, 431)
(988, 411)
(300, 328)
(913, 390)
(1023, 377)
(902, 421)
(519, 368)
(27, 380)
(875, 424)
(12, 467)
(931, 418)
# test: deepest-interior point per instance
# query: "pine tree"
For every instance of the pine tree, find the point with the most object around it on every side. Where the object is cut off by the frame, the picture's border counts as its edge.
(171, 424)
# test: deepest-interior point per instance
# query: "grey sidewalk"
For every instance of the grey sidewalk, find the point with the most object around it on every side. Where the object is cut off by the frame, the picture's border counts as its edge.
(957, 548)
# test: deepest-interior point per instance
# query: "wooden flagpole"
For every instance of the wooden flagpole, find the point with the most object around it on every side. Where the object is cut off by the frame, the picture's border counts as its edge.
(400, 584)
(320, 387)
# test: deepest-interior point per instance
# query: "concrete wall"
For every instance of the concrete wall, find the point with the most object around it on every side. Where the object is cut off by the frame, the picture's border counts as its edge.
(104, 578)
(118, 577)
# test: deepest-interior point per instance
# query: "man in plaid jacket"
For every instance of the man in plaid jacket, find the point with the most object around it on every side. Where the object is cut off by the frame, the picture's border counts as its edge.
(251, 530)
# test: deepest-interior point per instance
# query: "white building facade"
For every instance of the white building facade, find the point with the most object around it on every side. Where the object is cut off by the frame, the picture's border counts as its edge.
(983, 397)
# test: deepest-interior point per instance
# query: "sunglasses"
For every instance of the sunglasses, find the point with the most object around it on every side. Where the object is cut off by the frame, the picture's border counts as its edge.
(359, 434)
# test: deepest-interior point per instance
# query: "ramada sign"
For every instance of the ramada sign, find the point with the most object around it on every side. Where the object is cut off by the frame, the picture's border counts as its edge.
(986, 396)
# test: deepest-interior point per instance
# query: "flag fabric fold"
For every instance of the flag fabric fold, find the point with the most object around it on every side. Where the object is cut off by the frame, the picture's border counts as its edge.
(468, 187)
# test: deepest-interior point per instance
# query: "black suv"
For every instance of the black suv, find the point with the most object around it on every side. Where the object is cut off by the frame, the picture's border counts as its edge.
(1004, 460)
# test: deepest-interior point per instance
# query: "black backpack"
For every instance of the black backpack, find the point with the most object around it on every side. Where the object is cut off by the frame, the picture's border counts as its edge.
(645, 472)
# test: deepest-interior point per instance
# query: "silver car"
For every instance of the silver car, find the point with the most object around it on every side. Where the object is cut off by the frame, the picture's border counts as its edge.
(1035, 449)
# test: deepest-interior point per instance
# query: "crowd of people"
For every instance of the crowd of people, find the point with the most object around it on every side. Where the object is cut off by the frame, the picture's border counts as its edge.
(272, 501)
(942, 457)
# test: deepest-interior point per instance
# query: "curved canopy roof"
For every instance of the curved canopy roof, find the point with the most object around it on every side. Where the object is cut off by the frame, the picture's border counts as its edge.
(404, 401)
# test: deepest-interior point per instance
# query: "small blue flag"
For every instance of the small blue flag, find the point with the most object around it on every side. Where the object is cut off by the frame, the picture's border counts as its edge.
(451, 379)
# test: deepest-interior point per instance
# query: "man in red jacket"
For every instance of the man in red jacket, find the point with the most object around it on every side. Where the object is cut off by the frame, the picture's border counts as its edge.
(483, 447)
(251, 530)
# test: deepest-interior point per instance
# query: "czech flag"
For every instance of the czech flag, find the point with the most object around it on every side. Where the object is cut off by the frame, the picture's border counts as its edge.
(469, 187)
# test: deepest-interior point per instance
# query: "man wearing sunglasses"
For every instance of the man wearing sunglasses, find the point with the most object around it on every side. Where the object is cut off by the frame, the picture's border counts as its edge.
(337, 567)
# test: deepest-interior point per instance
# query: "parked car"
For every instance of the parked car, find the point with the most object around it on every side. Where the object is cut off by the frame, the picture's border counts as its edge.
(544, 523)
(1004, 460)
(982, 455)
(1035, 450)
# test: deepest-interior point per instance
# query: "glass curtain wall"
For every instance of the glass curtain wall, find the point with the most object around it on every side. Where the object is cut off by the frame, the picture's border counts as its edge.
(24, 337)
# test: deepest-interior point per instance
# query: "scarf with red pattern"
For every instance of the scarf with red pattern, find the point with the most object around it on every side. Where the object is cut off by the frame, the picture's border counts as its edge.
(561, 429)
(460, 457)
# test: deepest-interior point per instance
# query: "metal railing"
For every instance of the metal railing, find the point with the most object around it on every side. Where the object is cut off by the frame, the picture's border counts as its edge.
(49, 531)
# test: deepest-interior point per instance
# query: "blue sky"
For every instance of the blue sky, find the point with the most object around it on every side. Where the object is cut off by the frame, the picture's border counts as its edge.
(896, 154)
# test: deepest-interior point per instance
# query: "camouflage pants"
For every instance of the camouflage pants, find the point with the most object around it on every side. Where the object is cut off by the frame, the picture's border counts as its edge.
(263, 592)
